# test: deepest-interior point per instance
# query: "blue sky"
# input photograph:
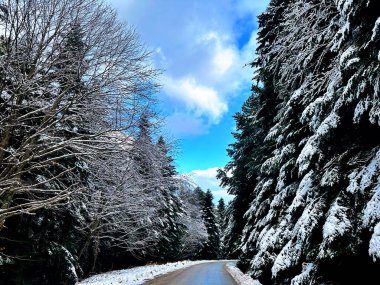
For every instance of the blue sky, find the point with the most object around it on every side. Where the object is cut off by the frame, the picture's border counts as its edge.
(202, 47)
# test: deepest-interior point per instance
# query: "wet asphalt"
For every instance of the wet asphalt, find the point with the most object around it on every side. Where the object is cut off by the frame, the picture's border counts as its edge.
(211, 273)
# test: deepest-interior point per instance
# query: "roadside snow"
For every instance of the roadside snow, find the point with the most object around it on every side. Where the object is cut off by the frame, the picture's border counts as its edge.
(138, 275)
(240, 277)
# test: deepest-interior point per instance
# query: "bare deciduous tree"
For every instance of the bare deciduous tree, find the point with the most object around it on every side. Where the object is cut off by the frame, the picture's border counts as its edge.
(70, 74)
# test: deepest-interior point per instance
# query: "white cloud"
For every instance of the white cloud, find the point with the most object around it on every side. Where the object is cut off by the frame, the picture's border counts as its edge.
(224, 59)
(222, 194)
(225, 53)
(208, 175)
(206, 179)
(201, 100)
(197, 45)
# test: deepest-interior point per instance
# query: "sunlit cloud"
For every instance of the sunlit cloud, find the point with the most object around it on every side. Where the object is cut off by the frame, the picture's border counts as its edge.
(222, 194)
(201, 100)
(223, 60)
(224, 52)
(206, 179)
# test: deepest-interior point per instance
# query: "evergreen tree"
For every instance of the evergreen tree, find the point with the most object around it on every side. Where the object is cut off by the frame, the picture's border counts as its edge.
(221, 210)
(52, 235)
(169, 246)
(247, 154)
(312, 217)
(221, 217)
(167, 160)
(211, 247)
(200, 194)
(71, 64)
(147, 157)
(195, 233)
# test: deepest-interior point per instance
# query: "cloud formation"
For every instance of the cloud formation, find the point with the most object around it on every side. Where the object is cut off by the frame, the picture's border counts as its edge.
(198, 99)
(202, 47)
(206, 179)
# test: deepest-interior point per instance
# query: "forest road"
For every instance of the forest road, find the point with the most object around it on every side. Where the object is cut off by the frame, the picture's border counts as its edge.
(211, 273)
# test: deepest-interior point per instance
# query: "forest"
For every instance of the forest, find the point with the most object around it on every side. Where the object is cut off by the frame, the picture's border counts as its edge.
(88, 180)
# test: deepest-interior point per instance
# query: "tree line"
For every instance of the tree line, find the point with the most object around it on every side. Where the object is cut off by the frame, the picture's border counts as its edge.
(87, 183)
(305, 164)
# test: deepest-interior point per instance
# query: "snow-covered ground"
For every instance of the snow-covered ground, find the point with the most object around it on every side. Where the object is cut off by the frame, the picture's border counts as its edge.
(240, 277)
(137, 275)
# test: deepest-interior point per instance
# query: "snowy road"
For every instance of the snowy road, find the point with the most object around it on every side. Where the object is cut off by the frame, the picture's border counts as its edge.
(213, 273)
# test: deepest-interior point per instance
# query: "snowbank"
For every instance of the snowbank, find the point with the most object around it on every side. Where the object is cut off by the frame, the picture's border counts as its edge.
(240, 277)
(137, 275)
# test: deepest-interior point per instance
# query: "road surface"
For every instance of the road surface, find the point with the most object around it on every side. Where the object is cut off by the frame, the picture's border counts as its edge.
(211, 273)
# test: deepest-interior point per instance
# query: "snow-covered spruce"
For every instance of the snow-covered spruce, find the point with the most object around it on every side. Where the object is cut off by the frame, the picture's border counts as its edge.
(310, 165)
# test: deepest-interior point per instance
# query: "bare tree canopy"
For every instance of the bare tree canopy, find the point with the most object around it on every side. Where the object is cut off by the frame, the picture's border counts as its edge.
(71, 74)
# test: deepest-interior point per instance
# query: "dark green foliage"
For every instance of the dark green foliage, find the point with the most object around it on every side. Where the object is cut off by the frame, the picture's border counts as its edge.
(156, 166)
(48, 241)
(200, 194)
(222, 223)
(72, 65)
(221, 211)
(211, 248)
(247, 155)
(169, 247)
(168, 161)
(306, 158)
(43, 248)
(142, 152)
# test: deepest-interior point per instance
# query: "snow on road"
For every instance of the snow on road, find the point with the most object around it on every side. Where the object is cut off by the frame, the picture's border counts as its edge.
(137, 275)
(240, 277)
